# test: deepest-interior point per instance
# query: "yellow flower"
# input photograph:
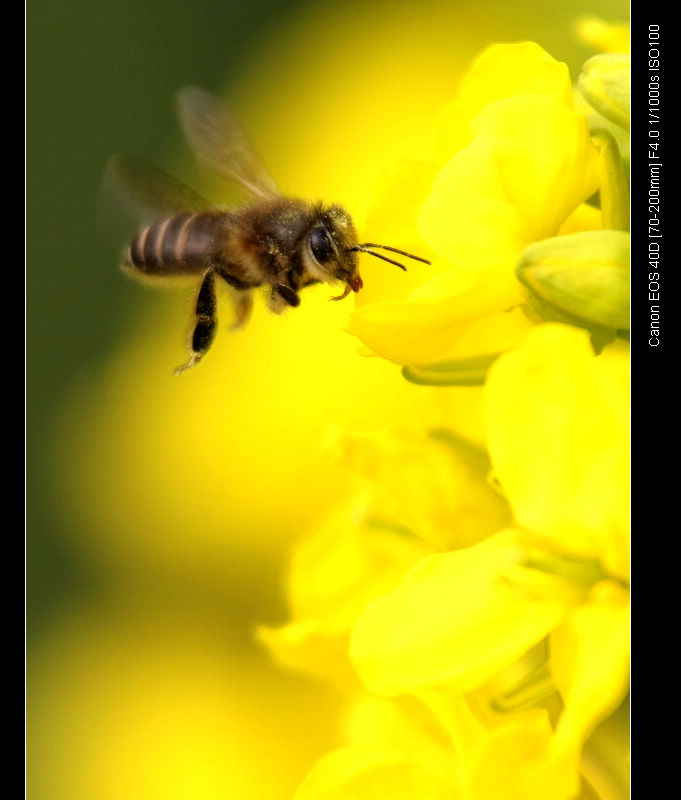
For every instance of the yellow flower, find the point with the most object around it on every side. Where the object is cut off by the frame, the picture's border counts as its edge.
(355, 556)
(458, 618)
(418, 493)
(433, 482)
(590, 664)
(557, 421)
(512, 160)
(370, 773)
(490, 642)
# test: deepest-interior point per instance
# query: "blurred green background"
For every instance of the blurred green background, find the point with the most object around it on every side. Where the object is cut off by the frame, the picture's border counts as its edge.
(100, 79)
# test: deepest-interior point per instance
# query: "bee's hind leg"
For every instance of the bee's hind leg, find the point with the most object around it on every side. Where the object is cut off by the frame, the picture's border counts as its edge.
(241, 297)
(282, 296)
(205, 323)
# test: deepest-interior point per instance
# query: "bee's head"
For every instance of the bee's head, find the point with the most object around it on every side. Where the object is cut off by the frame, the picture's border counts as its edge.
(331, 247)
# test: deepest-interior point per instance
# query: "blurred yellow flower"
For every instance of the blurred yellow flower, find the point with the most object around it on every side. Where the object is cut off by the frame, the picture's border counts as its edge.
(417, 493)
(608, 37)
(131, 703)
(370, 773)
(356, 555)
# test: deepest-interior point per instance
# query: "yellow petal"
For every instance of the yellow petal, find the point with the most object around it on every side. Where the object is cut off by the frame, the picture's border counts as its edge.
(605, 758)
(351, 559)
(370, 773)
(502, 70)
(590, 662)
(457, 326)
(456, 619)
(503, 756)
(435, 483)
(508, 70)
(529, 166)
(311, 646)
(557, 422)
(513, 763)
(548, 163)
(407, 332)
(583, 218)
(394, 204)
(406, 726)
(468, 219)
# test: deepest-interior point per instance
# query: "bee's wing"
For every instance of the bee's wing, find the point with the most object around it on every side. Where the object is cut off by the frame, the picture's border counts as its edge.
(134, 193)
(220, 143)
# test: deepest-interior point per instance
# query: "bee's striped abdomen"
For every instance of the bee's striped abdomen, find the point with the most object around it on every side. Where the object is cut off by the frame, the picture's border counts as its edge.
(183, 244)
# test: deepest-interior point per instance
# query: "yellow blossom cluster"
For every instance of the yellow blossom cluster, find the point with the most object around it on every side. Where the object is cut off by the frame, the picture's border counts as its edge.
(472, 598)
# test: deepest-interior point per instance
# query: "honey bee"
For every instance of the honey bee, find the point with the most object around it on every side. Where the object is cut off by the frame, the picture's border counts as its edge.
(271, 241)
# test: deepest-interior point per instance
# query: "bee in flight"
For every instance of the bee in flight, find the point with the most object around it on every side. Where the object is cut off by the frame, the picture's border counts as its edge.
(272, 241)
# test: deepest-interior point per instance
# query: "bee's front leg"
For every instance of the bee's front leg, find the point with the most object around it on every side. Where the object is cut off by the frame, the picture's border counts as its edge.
(205, 322)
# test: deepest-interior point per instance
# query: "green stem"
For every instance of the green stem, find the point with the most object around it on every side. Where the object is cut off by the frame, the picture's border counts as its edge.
(614, 189)
(471, 371)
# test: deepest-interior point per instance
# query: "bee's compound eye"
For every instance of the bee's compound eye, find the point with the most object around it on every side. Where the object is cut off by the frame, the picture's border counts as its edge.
(321, 245)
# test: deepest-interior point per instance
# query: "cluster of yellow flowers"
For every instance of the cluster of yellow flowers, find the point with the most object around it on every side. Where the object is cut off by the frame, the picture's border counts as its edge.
(472, 596)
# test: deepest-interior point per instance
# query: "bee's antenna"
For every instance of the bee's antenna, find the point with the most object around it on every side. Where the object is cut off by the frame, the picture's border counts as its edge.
(395, 250)
(371, 253)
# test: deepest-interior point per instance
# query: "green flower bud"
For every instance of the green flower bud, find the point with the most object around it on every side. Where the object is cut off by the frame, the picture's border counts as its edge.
(605, 82)
(583, 275)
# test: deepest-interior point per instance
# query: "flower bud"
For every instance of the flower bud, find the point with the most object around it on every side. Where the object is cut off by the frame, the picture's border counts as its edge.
(585, 275)
(605, 83)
